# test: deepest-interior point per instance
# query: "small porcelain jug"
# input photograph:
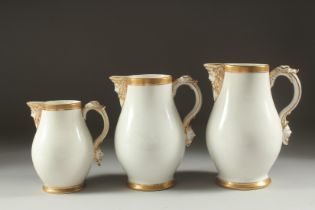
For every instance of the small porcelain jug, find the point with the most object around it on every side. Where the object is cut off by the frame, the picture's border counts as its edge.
(244, 132)
(62, 150)
(150, 137)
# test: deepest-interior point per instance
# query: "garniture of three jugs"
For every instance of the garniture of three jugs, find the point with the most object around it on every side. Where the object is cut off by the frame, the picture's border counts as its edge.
(244, 132)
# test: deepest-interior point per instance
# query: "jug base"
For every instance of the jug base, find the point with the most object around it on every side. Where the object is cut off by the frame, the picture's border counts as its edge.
(154, 187)
(63, 190)
(243, 186)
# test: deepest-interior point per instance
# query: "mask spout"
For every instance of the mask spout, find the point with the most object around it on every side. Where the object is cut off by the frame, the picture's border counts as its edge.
(121, 86)
(216, 76)
(36, 110)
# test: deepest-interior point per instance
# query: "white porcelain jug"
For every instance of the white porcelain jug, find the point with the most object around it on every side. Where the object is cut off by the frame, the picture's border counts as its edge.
(62, 149)
(245, 132)
(150, 137)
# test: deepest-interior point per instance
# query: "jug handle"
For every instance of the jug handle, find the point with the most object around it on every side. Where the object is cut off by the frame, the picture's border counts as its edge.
(96, 106)
(291, 74)
(187, 80)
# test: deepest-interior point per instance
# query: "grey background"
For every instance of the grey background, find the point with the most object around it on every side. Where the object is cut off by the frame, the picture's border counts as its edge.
(68, 49)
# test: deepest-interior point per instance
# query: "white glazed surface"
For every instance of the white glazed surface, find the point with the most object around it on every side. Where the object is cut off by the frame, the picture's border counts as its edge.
(244, 133)
(62, 149)
(149, 138)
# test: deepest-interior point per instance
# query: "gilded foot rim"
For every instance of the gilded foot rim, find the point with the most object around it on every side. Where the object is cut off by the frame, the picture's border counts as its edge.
(62, 190)
(243, 186)
(154, 187)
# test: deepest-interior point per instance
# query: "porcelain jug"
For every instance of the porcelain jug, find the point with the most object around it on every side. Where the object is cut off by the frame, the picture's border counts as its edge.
(150, 137)
(244, 131)
(62, 149)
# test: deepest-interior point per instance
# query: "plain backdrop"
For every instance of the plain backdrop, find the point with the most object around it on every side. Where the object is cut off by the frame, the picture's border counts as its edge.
(65, 49)
(68, 49)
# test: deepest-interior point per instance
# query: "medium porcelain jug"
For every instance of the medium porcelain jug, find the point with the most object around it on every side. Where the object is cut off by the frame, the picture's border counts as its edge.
(150, 137)
(244, 132)
(62, 149)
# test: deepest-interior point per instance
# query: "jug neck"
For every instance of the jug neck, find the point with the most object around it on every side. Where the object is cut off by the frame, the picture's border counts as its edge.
(155, 93)
(158, 85)
(249, 75)
(71, 115)
(38, 108)
(251, 84)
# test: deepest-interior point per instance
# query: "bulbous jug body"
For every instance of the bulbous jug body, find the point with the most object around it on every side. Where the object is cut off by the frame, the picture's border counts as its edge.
(62, 149)
(150, 136)
(244, 132)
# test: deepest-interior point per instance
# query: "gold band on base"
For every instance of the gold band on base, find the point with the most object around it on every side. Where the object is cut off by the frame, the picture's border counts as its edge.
(243, 186)
(154, 187)
(62, 190)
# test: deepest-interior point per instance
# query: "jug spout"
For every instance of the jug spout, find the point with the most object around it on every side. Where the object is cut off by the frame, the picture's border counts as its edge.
(216, 76)
(121, 86)
(36, 110)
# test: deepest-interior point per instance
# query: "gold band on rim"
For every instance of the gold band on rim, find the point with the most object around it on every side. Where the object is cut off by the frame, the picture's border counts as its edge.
(154, 187)
(62, 190)
(162, 80)
(243, 186)
(61, 106)
(249, 68)
(141, 80)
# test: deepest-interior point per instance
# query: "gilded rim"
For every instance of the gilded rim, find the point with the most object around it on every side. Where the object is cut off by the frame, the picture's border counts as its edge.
(154, 187)
(243, 186)
(61, 105)
(63, 190)
(145, 79)
(246, 67)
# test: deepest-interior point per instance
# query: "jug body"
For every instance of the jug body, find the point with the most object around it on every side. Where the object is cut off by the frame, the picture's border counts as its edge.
(244, 132)
(62, 149)
(149, 137)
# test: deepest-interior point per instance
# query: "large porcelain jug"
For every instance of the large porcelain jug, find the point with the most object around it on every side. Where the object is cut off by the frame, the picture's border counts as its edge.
(62, 149)
(245, 132)
(150, 137)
